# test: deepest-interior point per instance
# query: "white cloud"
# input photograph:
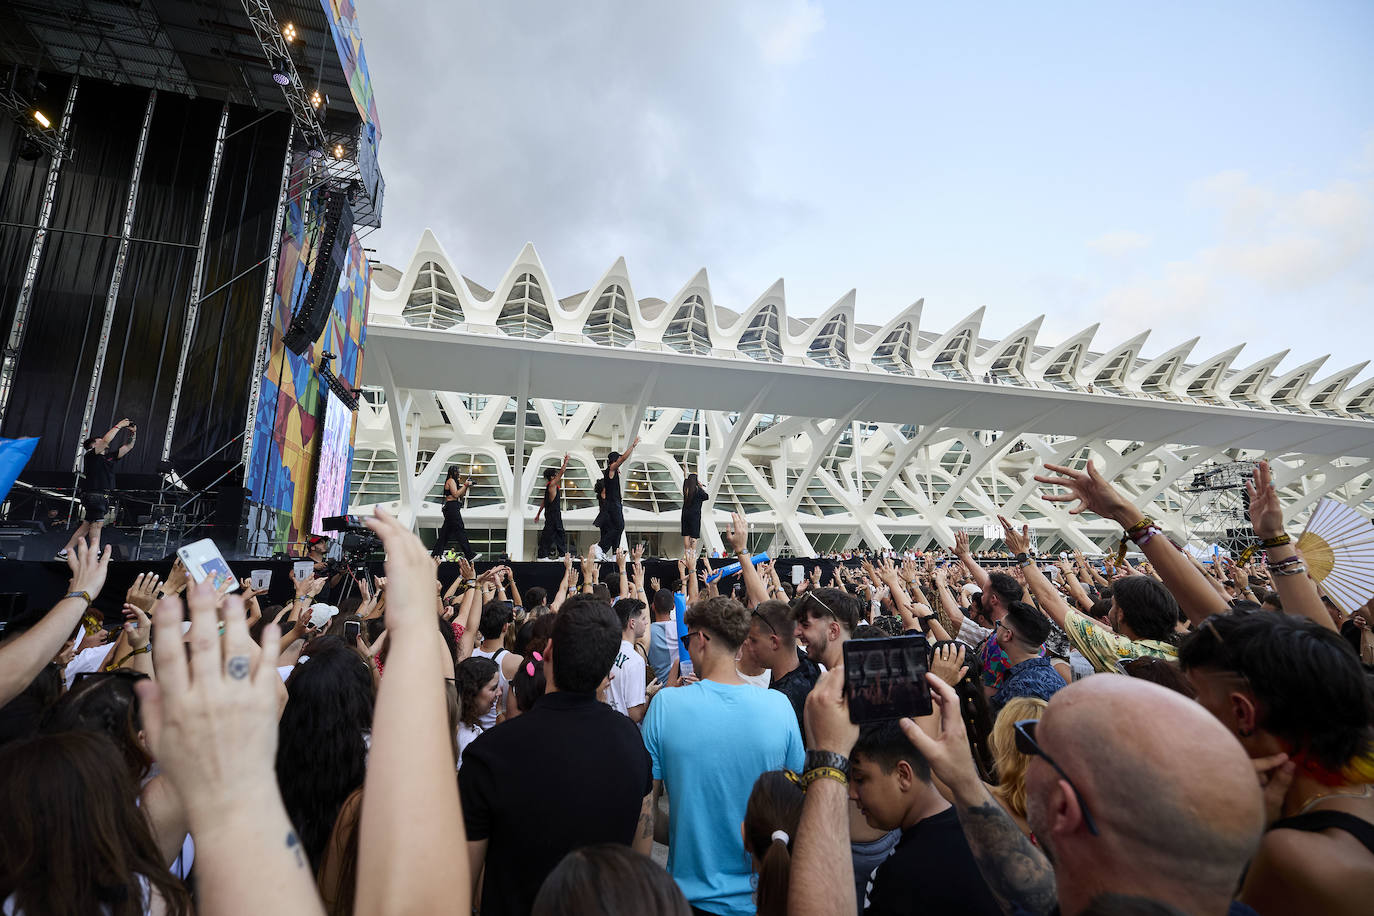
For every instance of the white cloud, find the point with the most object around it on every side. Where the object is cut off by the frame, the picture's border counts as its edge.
(787, 41)
(1117, 244)
(1302, 259)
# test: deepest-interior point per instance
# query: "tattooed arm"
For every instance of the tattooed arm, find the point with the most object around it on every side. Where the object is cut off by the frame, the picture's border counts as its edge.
(1015, 871)
(644, 832)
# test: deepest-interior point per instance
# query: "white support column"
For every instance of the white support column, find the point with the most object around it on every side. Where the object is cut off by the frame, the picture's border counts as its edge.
(819, 449)
(515, 501)
(733, 441)
(405, 458)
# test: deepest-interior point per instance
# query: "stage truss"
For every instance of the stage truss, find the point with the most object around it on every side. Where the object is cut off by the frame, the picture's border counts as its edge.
(1218, 508)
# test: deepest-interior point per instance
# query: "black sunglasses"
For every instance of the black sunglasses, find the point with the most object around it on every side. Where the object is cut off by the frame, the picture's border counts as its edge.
(1025, 743)
(764, 621)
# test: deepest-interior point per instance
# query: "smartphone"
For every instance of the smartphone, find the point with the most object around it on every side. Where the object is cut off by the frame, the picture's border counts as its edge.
(352, 628)
(261, 579)
(798, 574)
(203, 561)
(303, 569)
(886, 678)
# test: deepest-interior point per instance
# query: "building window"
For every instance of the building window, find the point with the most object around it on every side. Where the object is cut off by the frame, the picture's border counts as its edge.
(609, 323)
(432, 302)
(894, 353)
(828, 347)
(689, 332)
(761, 340)
(525, 314)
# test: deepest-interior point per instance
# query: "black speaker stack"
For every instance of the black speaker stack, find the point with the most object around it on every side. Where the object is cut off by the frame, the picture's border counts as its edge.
(331, 255)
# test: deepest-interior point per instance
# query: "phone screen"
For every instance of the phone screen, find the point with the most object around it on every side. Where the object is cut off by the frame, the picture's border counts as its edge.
(886, 678)
(204, 561)
(352, 628)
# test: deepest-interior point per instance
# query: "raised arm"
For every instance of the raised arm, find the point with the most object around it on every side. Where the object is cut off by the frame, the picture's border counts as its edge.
(514, 589)
(620, 568)
(1093, 492)
(410, 864)
(23, 658)
(737, 539)
(1016, 872)
(127, 446)
(564, 585)
(1051, 602)
(1289, 574)
(951, 607)
(822, 871)
(1075, 587)
(979, 574)
(562, 468)
(624, 456)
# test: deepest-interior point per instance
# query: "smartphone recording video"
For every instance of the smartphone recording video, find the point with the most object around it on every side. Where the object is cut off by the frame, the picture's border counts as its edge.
(352, 629)
(886, 678)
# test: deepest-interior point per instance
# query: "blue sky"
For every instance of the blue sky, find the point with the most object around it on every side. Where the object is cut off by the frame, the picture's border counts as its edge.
(1198, 171)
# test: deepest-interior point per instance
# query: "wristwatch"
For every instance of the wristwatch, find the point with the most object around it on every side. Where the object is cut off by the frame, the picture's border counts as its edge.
(815, 759)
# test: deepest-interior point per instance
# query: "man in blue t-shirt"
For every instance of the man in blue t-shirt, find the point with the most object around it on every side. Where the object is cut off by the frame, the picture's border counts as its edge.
(709, 742)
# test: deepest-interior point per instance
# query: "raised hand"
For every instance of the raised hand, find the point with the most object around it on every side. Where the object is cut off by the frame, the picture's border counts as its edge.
(143, 593)
(737, 535)
(1266, 515)
(1091, 491)
(947, 663)
(637, 554)
(89, 566)
(827, 715)
(176, 579)
(138, 628)
(960, 543)
(1016, 543)
(410, 603)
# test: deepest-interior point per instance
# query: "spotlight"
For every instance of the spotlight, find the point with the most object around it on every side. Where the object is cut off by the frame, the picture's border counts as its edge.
(317, 147)
(288, 32)
(281, 71)
(42, 119)
(338, 151)
(316, 99)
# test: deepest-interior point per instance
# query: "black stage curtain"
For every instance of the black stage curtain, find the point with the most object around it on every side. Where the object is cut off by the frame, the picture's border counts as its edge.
(150, 315)
(214, 395)
(21, 199)
(68, 304)
(55, 366)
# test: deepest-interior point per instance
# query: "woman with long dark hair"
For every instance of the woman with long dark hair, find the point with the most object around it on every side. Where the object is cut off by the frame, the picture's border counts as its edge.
(694, 495)
(322, 739)
(455, 490)
(478, 689)
(74, 839)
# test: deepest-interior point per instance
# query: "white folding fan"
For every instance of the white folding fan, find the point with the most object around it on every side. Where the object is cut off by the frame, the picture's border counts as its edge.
(1338, 547)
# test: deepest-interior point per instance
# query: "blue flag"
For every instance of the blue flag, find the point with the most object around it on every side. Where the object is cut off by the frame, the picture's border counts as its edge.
(14, 454)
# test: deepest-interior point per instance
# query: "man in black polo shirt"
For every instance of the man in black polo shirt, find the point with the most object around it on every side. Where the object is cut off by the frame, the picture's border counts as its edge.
(571, 772)
(773, 640)
(97, 464)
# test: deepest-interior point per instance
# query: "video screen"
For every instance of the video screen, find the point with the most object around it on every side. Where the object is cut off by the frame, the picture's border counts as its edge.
(331, 479)
(885, 678)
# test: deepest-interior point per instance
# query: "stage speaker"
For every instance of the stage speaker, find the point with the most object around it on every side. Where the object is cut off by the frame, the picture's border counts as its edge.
(228, 520)
(331, 255)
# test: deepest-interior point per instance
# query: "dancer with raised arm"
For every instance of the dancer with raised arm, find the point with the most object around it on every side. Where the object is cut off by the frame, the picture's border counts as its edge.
(97, 465)
(611, 519)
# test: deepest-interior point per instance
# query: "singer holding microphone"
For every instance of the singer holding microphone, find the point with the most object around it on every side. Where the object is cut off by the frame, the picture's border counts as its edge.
(97, 466)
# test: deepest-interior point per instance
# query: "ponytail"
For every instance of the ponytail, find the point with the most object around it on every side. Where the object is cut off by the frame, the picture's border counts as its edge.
(775, 872)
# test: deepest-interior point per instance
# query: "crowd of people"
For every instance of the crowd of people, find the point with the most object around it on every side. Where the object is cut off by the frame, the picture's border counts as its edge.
(1145, 736)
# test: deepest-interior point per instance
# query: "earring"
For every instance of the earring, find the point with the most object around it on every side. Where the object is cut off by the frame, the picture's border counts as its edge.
(1246, 732)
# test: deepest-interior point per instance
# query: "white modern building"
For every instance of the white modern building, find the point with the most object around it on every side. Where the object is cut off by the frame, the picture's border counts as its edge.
(826, 433)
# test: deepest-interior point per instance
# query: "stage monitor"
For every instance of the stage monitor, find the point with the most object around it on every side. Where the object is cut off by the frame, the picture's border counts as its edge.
(331, 479)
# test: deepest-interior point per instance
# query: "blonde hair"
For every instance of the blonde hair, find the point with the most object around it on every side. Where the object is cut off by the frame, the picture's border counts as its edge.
(1011, 763)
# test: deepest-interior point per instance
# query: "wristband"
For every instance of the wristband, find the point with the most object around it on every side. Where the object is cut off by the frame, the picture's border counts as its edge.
(1022, 557)
(84, 595)
(1142, 536)
(1286, 561)
(114, 665)
(815, 759)
(1288, 569)
(1277, 541)
(1145, 522)
(816, 773)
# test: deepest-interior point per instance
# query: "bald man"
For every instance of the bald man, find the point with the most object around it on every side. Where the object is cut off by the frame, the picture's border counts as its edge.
(1152, 798)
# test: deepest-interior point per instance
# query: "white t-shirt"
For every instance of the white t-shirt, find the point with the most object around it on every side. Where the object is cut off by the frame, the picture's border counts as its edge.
(488, 718)
(85, 661)
(758, 680)
(627, 687)
(465, 735)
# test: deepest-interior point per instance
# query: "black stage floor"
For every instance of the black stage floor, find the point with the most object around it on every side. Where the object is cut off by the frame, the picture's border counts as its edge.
(43, 583)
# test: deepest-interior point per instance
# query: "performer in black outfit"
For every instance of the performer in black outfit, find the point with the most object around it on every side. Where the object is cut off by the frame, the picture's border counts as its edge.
(611, 519)
(455, 489)
(553, 540)
(97, 465)
(693, 496)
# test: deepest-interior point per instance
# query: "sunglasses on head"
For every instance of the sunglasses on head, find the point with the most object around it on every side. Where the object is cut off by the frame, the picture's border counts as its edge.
(764, 620)
(1025, 743)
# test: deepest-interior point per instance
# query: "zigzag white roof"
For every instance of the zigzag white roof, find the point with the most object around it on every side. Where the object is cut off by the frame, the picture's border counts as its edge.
(431, 293)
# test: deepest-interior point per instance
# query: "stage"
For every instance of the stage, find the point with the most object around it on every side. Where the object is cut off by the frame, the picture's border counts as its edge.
(44, 583)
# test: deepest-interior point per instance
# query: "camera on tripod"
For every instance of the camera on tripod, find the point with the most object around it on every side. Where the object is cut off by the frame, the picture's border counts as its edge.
(356, 540)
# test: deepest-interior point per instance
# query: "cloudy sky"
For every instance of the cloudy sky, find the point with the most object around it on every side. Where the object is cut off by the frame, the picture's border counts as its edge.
(1196, 171)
